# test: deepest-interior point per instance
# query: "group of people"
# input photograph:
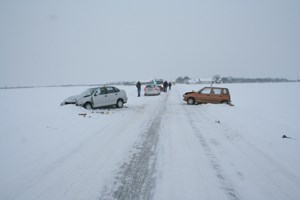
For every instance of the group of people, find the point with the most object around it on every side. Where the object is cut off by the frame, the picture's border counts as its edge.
(166, 84)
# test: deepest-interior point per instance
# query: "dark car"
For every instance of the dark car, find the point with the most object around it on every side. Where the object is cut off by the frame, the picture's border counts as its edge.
(159, 83)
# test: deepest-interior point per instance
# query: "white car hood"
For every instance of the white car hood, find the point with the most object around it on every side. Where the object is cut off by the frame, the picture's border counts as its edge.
(72, 99)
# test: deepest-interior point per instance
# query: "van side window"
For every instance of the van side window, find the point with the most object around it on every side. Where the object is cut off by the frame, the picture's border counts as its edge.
(225, 91)
(205, 91)
(217, 90)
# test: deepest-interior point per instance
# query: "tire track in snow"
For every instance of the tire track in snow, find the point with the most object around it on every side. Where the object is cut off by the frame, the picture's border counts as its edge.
(135, 179)
(264, 164)
(274, 174)
(226, 184)
(89, 144)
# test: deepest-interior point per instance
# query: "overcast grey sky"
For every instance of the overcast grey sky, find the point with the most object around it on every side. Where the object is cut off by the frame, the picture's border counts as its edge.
(96, 41)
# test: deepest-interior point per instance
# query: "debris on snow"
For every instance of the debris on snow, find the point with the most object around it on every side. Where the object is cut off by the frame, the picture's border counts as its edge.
(284, 136)
(82, 114)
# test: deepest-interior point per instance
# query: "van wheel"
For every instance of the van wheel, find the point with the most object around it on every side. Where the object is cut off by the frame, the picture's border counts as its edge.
(88, 106)
(191, 101)
(120, 103)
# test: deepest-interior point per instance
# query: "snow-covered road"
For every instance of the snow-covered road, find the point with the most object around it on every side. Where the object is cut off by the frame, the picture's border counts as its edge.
(154, 148)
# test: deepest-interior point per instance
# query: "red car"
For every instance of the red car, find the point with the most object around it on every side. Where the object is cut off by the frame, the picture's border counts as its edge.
(208, 95)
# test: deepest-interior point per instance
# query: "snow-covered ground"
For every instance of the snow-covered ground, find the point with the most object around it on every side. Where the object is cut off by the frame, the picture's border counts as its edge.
(153, 148)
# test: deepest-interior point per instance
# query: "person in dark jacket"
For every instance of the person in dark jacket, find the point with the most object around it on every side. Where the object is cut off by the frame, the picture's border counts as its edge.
(166, 86)
(138, 86)
(170, 85)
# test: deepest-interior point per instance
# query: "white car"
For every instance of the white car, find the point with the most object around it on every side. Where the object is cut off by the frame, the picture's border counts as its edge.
(98, 97)
(151, 89)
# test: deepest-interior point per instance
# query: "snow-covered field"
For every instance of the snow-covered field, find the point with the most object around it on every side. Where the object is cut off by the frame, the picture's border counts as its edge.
(153, 148)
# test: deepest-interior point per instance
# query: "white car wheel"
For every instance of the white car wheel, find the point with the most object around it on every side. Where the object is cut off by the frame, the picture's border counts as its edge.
(119, 103)
(88, 106)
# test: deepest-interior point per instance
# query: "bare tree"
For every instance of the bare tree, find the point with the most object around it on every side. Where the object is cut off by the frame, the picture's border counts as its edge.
(216, 78)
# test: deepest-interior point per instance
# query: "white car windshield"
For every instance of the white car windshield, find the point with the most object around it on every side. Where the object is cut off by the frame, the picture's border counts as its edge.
(88, 92)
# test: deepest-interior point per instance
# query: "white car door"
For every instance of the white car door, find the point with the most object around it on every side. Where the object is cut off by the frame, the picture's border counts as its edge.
(100, 97)
(112, 96)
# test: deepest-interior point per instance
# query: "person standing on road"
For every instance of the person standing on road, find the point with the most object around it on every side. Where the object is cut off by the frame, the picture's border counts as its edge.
(138, 86)
(166, 86)
(170, 85)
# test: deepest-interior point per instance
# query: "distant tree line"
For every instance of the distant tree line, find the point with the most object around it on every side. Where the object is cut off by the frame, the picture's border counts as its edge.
(218, 79)
(252, 80)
